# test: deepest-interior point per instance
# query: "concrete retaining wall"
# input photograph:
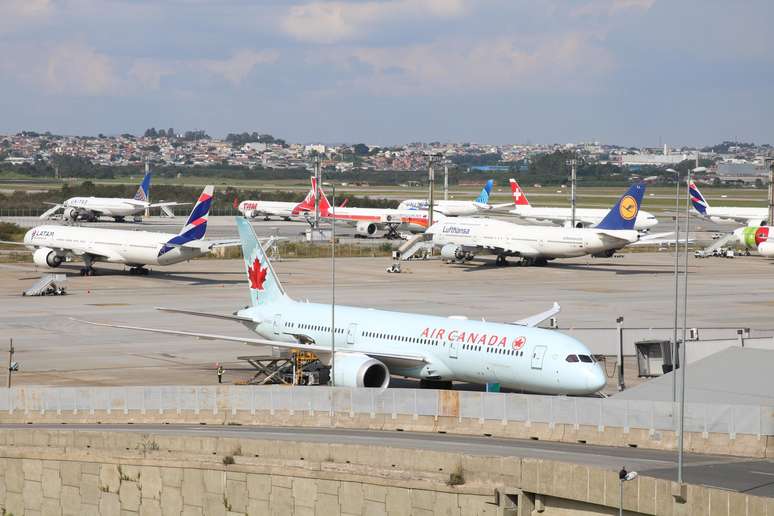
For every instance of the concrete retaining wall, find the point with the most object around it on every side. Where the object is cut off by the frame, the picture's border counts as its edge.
(125, 472)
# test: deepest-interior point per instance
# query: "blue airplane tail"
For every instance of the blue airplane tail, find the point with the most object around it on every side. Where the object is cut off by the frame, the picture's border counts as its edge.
(196, 225)
(265, 287)
(698, 201)
(624, 213)
(143, 192)
(483, 197)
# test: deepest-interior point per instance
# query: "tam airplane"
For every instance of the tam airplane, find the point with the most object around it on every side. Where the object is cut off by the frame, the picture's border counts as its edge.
(742, 215)
(52, 245)
(92, 208)
(584, 217)
(371, 345)
(455, 208)
(280, 209)
(463, 238)
(368, 221)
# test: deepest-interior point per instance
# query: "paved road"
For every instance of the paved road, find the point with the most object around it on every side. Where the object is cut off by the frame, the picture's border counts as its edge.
(752, 476)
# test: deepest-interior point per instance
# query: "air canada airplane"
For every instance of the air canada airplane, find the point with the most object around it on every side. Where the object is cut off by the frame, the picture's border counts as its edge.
(92, 208)
(463, 238)
(456, 208)
(51, 245)
(749, 216)
(562, 216)
(371, 345)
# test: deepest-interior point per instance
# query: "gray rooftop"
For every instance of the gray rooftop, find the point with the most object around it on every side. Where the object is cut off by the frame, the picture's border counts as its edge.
(741, 376)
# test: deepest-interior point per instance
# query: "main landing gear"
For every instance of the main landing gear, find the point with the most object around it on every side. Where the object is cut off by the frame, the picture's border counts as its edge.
(392, 232)
(138, 271)
(88, 271)
(501, 261)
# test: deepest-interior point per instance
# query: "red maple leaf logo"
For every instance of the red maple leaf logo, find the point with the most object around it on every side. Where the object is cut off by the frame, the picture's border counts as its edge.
(257, 275)
(519, 342)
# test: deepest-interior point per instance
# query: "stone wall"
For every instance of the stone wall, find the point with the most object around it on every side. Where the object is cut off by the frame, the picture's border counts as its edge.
(129, 472)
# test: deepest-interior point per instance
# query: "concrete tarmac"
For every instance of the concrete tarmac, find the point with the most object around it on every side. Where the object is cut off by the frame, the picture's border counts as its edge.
(750, 476)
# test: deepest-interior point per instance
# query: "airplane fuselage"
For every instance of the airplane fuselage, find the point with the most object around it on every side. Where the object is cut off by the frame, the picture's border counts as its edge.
(108, 245)
(414, 221)
(446, 207)
(252, 209)
(744, 215)
(517, 357)
(107, 206)
(535, 215)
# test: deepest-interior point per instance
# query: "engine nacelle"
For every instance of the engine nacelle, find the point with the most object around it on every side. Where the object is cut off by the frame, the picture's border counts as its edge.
(766, 249)
(359, 370)
(366, 229)
(70, 214)
(454, 252)
(45, 257)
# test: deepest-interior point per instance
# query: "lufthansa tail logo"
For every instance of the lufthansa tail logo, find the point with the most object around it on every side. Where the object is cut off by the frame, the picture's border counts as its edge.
(628, 208)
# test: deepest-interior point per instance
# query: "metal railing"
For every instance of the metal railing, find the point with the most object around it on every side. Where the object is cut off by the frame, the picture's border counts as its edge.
(482, 406)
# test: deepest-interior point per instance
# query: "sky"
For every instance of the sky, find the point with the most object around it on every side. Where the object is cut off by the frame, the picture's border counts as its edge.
(629, 72)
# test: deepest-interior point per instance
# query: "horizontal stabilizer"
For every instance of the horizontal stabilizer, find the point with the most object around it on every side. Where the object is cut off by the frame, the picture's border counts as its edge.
(46, 214)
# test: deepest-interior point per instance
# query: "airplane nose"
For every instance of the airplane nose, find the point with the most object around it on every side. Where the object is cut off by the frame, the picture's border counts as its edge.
(595, 379)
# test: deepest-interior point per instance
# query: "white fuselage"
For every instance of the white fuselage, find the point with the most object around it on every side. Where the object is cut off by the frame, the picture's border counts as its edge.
(587, 217)
(109, 245)
(447, 207)
(743, 215)
(415, 221)
(252, 209)
(107, 206)
(505, 238)
(516, 357)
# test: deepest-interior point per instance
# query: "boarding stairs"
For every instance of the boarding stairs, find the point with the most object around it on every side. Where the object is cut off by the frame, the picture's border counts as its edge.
(721, 242)
(418, 244)
(48, 284)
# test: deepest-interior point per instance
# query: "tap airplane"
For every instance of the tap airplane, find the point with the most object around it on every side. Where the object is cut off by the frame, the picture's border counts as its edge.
(584, 217)
(92, 208)
(756, 237)
(52, 245)
(452, 208)
(742, 215)
(462, 239)
(371, 345)
(368, 220)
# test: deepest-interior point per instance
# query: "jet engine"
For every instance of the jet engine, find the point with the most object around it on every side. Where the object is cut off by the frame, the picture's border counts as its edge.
(766, 249)
(455, 253)
(45, 257)
(70, 214)
(365, 229)
(360, 370)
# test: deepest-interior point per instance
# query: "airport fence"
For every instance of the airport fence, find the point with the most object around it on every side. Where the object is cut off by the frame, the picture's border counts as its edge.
(595, 412)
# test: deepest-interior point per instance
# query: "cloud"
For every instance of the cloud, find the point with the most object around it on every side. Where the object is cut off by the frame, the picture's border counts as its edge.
(611, 7)
(331, 22)
(478, 66)
(16, 14)
(239, 65)
(79, 69)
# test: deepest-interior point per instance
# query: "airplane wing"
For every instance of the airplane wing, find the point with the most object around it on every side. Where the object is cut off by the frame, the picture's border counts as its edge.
(660, 238)
(232, 317)
(493, 207)
(46, 214)
(160, 204)
(536, 319)
(11, 243)
(512, 249)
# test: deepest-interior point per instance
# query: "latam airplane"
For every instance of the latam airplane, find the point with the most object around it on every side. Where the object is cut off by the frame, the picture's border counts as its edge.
(453, 208)
(742, 215)
(368, 220)
(92, 208)
(584, 217)
(461, 239)
(51, 245)
(371, 345)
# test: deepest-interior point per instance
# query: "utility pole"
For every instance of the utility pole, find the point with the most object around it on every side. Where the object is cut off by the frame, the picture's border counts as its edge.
(147, 169)
(317, 180)
(445, 182)
(770, 219)
(621, 382)
(431, 180)
(10, 363)
(333, 288)
(573, 180)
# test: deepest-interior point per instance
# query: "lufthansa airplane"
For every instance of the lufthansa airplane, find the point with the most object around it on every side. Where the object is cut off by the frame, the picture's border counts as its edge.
(371, 345)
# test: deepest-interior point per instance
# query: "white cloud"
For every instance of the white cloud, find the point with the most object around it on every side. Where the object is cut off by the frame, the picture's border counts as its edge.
(235, 68)
(79, 69)
(16, 14)
(330, 22)
(503, 62)
(611, 7)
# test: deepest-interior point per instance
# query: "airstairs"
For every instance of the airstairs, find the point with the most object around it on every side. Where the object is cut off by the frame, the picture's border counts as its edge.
(48, 284)
(418, 246)
(721, 242)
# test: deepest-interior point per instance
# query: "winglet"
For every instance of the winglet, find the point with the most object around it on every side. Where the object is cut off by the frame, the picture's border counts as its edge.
(536, 319)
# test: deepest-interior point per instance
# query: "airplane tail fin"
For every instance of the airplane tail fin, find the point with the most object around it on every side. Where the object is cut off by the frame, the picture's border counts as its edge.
(265, 287)
(698, 201)
(624, 213)
(307, 205)
(143, 192)
(519, 198)
(483, 197)
(196, 225)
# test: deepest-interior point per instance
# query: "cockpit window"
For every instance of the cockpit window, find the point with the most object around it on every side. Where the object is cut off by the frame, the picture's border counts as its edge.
(572, 358)
(585, 358)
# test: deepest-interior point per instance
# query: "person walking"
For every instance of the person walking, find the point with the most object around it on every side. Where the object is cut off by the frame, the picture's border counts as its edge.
(220, 373)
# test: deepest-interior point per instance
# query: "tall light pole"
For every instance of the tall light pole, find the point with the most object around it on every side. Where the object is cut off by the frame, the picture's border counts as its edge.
(573, 180)
(333, 287)
(677, 280)
(624, 476)
(446, 181)
(431, 181)
(11, 367)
